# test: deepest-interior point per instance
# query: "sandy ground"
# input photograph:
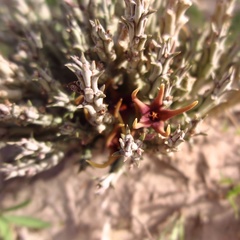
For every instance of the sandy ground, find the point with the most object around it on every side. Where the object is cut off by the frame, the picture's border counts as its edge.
(145, 201)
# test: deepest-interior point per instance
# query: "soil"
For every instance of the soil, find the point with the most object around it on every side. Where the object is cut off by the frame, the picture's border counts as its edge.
(146, 203)
(185, 189)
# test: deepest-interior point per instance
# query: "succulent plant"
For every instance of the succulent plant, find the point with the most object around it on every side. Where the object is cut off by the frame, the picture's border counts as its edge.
(132, 75)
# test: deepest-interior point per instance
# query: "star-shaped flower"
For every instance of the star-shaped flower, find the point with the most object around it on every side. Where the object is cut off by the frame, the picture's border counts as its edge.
(154, 115)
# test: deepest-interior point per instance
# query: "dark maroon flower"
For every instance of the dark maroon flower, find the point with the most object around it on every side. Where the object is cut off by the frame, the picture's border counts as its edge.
(154, 115)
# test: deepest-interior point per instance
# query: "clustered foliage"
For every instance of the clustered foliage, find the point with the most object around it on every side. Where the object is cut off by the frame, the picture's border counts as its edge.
(134, 75)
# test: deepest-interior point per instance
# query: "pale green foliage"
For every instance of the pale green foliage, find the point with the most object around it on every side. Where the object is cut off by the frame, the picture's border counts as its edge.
(69, 69)
(9, 221)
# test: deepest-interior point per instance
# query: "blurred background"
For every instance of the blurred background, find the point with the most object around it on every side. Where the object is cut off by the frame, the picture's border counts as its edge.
(192, 195)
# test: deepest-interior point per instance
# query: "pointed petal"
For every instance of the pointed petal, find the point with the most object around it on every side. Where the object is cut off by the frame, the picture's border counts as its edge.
(158, 101)
(110, 141)
(117, 108)
(137, 125)
(79, 100)
(166, 114)
(159, 128)
(145, 120)
(134, 123)
(144, 108)
(109, 162)
(168, 130)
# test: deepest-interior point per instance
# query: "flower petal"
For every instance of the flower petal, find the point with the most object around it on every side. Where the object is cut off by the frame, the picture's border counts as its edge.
(109, 162)
(145, 120)
(158, 101)
(137, 125)
(166, 114)
(159, 128)
(144, 108)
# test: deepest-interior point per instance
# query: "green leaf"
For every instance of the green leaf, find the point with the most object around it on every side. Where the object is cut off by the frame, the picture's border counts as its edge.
(174, 231)
(234, 192)
(26, 221)
(178, 231)
(51, 2)
(226, 181)
(195, 15)
(18, 206)
(235, 24)
(231, 196)
(5, 230)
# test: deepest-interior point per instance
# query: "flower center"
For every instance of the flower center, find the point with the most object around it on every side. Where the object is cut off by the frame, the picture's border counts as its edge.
(154, 116)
